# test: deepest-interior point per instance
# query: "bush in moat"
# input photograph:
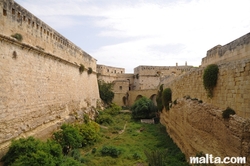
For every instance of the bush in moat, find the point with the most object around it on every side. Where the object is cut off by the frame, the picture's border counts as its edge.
(68, 137)
(210, 77)
(143, 108)
(167, 98)
(110, 151)
(31, 151)
(104, 119)
(226, 113)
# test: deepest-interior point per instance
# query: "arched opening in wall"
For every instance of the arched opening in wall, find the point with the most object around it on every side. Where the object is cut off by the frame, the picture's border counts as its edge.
(153, 98)
(4, 12)
(138, 97)
(124, 100)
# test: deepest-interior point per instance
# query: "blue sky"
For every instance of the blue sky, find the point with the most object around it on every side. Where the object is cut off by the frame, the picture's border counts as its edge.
(129, 33)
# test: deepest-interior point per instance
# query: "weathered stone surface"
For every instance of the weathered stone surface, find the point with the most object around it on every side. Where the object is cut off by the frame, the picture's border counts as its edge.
(197, 127)
(40, 83)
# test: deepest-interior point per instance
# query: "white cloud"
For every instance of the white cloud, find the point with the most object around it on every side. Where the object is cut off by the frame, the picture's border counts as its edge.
(148, 30)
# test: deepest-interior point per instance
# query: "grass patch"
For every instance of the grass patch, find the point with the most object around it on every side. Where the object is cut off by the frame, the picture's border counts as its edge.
(128, 147)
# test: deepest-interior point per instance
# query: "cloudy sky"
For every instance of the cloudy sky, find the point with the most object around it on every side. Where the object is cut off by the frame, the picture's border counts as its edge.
(129, 33)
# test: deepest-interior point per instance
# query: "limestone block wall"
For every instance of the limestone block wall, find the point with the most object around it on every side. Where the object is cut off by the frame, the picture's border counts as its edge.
(235, 50)
(149, 77)
(15, 19)
(39, 90)
(232, 89)
(108, 70)
(196, 127)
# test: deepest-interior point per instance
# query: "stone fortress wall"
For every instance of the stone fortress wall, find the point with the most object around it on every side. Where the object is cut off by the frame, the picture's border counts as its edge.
(40, 83)
(16, 19)
(199, 127)
(235, 50)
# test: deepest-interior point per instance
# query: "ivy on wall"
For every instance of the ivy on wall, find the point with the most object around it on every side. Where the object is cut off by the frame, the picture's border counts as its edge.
(210, 77)
(81, 68)
(17, 36)
(166, 98)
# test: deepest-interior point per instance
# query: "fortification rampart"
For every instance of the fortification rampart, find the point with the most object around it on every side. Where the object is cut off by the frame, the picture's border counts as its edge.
(199, 127)
(108, 70)
(232, 89)
(41, 86)
(235, 50)
(15, 19)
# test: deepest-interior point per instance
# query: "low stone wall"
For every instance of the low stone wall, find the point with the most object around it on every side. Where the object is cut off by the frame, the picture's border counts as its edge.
(199, 127)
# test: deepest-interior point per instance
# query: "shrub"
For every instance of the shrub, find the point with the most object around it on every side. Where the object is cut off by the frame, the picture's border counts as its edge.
(89, 132)
(210, 77)
(113, 109)
(110, 151)
(81, 68)
(159, 98)
(105, 119)
(31, 151)
(105, 90)
(17, 36)
(90, 70)
(166, 97)
(69, 137)
(226, 113)
(143, 108)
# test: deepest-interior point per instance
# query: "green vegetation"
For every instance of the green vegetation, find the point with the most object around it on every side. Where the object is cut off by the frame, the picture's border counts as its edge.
(90, 70)
(105, 90)
(167, 98)
(143, 108)
(81, 68)
(210, 77)
(32, 151)
(17, 36)
(155, 158)
(121, 143)
(226, 113)
(159, 98)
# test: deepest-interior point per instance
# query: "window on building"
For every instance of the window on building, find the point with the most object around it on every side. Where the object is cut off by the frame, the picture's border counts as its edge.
(29, 21)
(120, 87)
(13, 11)
(19, 15)
(107, 70)
(4, 12)
(24, 18)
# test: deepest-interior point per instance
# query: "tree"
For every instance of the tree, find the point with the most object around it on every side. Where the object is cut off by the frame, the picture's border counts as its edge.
(143, 108)
(105, 90)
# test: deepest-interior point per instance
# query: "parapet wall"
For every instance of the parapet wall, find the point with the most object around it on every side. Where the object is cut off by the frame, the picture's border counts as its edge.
(232, 89)
(15, 19)
(235, 50)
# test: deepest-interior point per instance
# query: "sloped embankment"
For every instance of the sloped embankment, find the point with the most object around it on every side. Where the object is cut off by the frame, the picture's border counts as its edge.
(199, 127)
